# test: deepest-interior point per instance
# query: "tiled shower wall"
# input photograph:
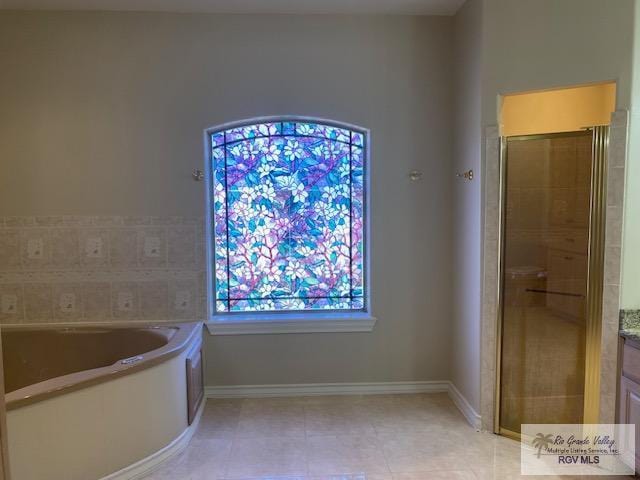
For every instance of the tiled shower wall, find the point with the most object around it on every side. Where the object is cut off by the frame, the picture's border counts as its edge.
(101, 269)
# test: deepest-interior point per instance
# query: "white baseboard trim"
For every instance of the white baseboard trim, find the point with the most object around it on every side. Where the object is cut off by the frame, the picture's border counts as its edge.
(465, 407)
(312, 389)
(153, 462)
(315, 389)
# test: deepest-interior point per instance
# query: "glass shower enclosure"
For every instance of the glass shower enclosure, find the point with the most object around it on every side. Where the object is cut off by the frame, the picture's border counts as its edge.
(551, 273)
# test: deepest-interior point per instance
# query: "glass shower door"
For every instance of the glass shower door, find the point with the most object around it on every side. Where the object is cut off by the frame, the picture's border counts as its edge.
(545, 263)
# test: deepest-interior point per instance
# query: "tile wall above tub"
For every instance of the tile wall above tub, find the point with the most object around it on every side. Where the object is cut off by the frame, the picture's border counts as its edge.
(101, 268)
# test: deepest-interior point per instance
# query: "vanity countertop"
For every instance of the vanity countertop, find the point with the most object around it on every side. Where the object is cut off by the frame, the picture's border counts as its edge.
(630, 324)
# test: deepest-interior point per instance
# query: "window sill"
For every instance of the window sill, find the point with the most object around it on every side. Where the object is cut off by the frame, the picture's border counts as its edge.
(296, 323)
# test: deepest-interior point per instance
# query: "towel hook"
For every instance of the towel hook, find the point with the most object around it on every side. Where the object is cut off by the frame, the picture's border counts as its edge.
(468, 175)
(415, 175)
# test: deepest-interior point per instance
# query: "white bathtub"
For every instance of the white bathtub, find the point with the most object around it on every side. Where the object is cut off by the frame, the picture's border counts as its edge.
(106, 421)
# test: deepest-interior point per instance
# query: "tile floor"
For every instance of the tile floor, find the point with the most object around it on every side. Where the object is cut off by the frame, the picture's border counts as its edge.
(377, 437)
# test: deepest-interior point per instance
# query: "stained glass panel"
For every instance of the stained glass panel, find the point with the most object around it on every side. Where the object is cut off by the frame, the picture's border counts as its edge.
(288, 212)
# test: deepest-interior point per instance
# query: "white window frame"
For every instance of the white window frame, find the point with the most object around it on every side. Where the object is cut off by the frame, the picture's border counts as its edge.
(286, 322)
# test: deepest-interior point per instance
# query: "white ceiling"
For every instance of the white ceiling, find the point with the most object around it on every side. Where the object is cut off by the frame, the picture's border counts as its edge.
(399, 7)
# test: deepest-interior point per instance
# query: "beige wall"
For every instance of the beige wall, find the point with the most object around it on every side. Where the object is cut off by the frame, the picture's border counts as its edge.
(102, 114)
(630, 298)
(541, 44)
(466, 201)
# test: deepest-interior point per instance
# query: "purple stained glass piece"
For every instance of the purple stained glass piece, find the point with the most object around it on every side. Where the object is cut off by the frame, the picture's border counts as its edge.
(288, 212)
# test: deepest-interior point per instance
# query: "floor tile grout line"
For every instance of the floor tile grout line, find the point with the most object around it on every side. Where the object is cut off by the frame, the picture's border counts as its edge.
(233, 439)
(306, 409)
(384, 455)
(306, 439)
(228, 458)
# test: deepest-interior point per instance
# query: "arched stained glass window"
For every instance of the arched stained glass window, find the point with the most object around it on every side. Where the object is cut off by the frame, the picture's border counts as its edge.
(288, 211)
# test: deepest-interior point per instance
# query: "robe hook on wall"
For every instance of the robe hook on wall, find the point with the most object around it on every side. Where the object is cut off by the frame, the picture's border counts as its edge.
(415, 175)
(468, 175)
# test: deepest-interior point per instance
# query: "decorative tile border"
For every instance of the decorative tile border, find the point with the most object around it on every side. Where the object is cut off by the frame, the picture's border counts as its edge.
(95, 221)
(101, 268)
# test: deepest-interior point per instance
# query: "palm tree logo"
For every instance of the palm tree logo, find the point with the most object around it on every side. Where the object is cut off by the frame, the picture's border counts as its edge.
(541, 441)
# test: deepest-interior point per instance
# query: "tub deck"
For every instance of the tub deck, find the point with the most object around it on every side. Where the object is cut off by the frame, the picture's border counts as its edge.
(41, 362)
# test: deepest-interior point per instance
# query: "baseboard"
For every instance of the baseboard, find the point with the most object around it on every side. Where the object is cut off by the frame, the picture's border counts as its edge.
(154, 461)
(465, 407)
(312, 389)
(315, 389)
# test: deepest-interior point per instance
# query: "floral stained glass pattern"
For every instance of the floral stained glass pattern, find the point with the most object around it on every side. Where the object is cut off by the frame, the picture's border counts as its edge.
(288, 213)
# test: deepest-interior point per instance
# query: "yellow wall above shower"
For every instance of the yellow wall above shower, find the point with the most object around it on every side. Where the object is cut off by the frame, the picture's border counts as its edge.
(562, 110)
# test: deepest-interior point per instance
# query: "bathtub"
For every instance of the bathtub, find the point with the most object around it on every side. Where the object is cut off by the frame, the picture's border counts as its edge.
(86, 403)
